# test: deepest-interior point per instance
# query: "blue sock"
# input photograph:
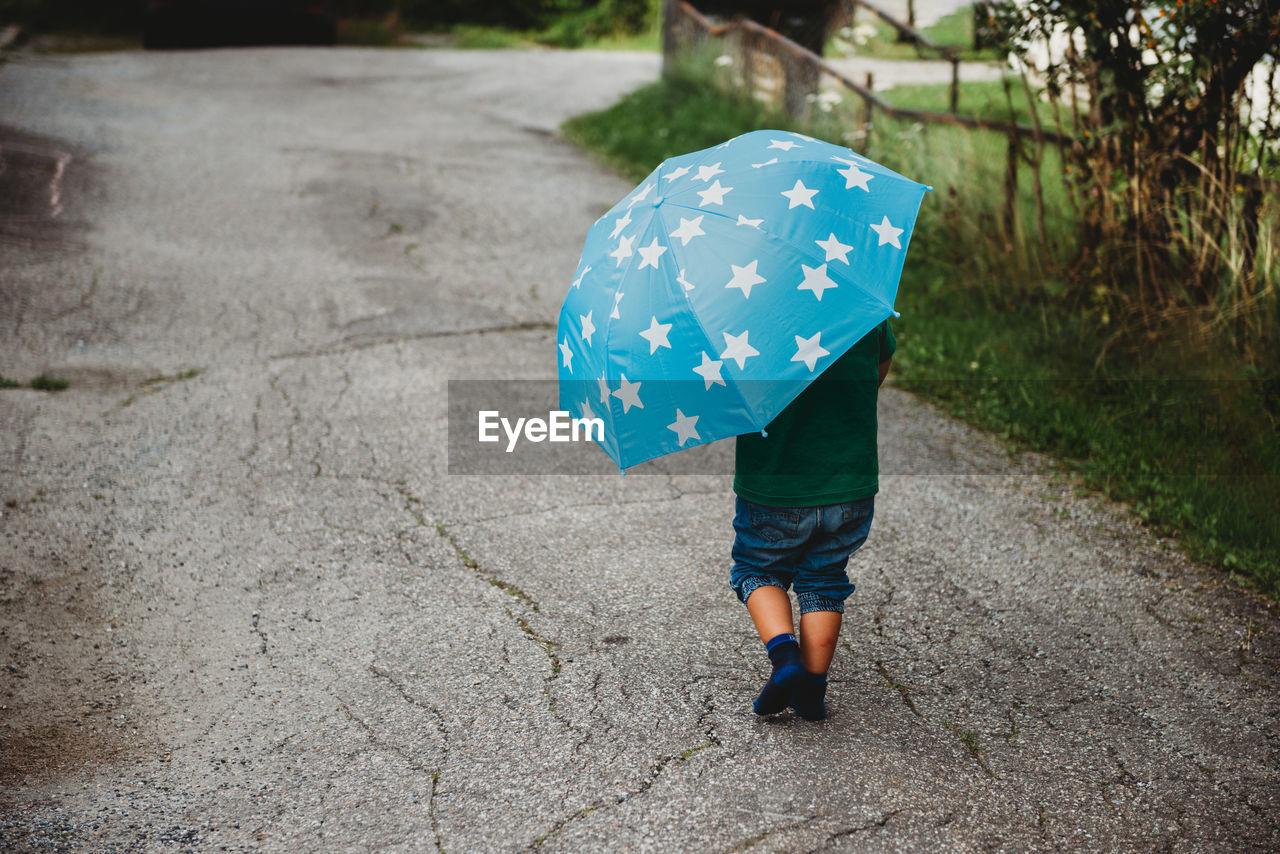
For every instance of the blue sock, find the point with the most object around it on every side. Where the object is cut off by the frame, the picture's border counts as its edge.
(788, 670)
(808, 696)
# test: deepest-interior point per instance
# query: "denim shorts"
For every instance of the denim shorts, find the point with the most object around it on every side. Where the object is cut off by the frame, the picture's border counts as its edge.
(805, 546)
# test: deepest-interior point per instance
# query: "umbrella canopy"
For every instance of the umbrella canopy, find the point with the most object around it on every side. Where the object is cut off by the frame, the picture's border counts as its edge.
(708, 298)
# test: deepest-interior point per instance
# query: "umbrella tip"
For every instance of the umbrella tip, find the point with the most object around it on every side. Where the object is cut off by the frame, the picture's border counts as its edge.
(764, 434)
(897, 314)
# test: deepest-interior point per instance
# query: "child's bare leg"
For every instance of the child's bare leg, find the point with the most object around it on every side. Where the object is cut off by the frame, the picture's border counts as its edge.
(770, 609)
(819, 631)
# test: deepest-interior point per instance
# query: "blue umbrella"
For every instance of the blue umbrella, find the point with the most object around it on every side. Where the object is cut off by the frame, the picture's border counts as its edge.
(712, 294)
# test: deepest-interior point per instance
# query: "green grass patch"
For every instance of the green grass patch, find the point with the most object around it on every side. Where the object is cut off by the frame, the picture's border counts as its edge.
(994, 328)
(471, 37)
(45, 382)
(984, 99)
(476, 37)
(7, 382)
(675, 115)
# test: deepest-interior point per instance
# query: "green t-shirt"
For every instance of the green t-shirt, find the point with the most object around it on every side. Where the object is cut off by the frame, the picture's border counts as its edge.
(821, 449)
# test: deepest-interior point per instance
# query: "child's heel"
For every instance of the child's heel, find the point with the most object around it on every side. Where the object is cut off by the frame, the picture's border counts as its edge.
(808, 697)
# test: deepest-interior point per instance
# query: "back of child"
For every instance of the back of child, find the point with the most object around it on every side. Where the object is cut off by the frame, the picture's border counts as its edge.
(805, 500)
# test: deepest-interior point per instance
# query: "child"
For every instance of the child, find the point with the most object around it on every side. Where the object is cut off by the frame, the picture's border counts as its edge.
(806, 495)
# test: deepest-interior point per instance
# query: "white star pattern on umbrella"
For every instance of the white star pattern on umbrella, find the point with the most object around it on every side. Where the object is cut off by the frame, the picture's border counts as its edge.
(737, 348)
(587, 326)
(587, 413)
(643, 194)
(809, 351)
(577, 283)
(887, 233)
(714, 195)
(800, 195)
(604, 389)
(656, 335)
(677, 173)
(650, 254)
(853, 176)
(784, 144)
(629, 394)
(766, 163)
(689, 229)
(624, 250)
(745, 277)
(754, 223)
(706, 173)
(685, 283)
(816, 280)
(617, 298)
(836, 251)
(567, 353)
(619, 224)
(709, 370)
(685, 427)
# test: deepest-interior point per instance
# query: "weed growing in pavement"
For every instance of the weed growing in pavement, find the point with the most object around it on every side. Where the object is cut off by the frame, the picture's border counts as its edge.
(45, 382)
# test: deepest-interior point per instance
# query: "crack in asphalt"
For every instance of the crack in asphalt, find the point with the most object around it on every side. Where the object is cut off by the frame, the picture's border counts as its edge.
(851, 831)
(655, 772)
(752, 841)
(347, 347)
(903, 690)
(442, 731)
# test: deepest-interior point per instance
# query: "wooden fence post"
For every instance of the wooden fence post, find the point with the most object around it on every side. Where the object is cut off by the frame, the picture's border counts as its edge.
(864, 115)
(670, 41)
(1011, 189)
(799, 82)
(955, 85)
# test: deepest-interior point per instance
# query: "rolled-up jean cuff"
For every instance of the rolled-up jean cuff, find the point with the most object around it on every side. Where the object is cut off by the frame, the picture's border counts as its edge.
(810, 601)
(751, 584)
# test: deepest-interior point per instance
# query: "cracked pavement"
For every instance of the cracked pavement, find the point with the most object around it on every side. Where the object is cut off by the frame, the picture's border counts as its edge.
(244, 606)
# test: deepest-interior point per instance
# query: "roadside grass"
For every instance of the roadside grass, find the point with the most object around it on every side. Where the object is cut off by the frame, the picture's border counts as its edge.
(473, 37)
(993, 330)
(678, 114)
(985, 99)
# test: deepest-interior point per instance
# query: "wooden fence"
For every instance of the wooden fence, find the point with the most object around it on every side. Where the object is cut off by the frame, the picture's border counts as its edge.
(777, 69)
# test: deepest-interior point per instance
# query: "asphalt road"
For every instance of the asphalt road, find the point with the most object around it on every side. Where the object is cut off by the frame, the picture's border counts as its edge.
(243, 605)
